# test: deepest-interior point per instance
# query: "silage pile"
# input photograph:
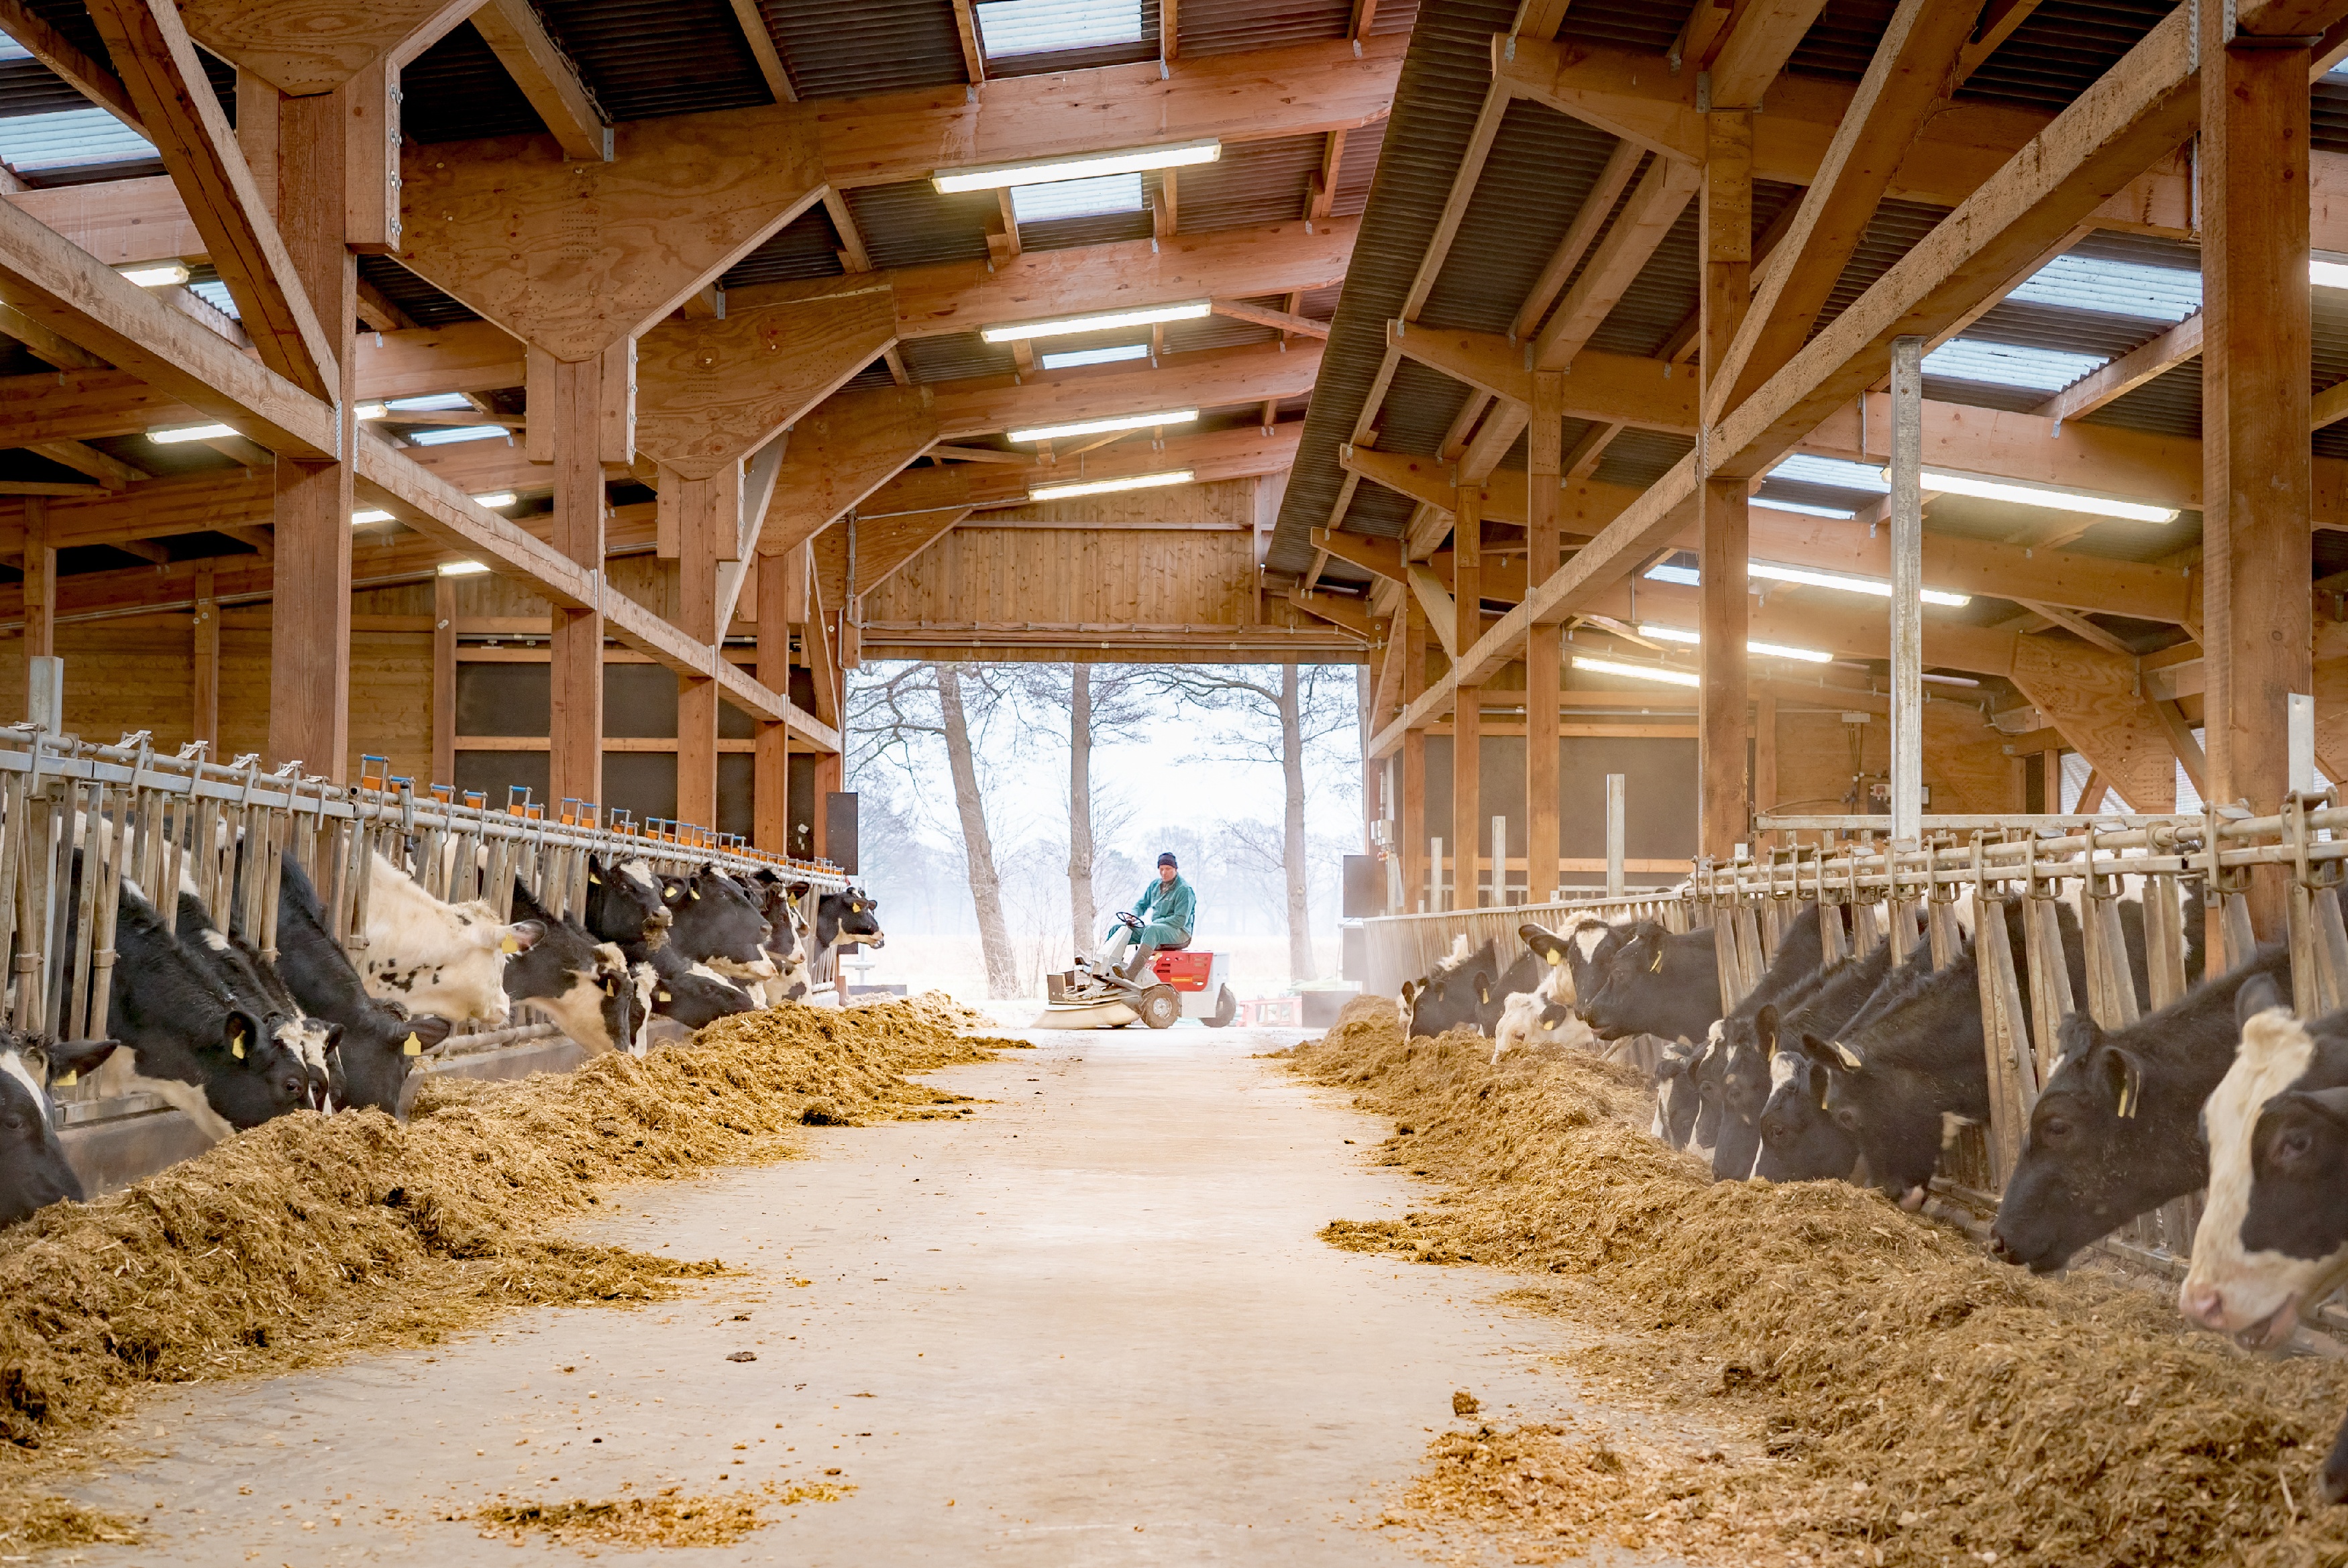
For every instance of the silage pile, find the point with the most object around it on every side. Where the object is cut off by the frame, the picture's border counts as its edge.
(1901, 1396)
(313, 1237)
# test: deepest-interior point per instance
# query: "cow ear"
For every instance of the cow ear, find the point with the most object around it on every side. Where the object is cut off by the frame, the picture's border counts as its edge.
(1483, 988)
(1830, 1054)
(68, 1060)
(2076, 1035)
(523, 936)
(241, 1034)
(1765, 1029)
(2258, 995)
(334, 1040)
(429, 1030)
(2123, 1074)
(2331, 1104)
(1412, 990)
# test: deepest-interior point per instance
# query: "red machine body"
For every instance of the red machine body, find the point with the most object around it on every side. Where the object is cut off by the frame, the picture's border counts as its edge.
(1185, 971)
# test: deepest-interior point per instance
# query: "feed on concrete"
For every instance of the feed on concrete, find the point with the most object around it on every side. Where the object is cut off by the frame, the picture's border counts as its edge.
(1894, 1395)
(664, 1519)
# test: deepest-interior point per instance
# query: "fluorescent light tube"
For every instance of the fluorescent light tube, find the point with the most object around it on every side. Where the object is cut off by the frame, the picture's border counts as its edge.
(372, 515)
(2046, 496)
(1103, 487)
(1102, 426)
(156, 274)
(367, 411)
(462, 569)
(2328, 275)
(167, 434)
(495, 499)
(1634, 671)
(1804, 507)
(1081, 165)
(1844, 580)
(1774, 650)
(1100, 322)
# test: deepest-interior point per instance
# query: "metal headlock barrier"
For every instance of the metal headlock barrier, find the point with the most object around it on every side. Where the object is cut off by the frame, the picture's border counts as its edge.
(78, 819)
(1908, 893)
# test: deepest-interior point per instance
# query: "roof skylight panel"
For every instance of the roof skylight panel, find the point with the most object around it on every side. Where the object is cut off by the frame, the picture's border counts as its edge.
(1076, 357)
(1047, 27)
(1832, 472)
(215, 293)
(1076, 197)
(2010, 364)
(451, 435)
(70, 138)
(12, 50)
(2114, 288)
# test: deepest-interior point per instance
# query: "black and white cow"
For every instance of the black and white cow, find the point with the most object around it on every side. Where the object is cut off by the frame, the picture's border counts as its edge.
(1658, 983)
(1735, 1063)
(434, 957)
(1800, 1141)
(247, 977)
(33, 1172)
(693, 994)
(582, 985)
(191, 1045)
(1676, 1101)
(786, 946)
(852, 915)
(625, 905)
(1461, 991)
(2116, 1131)
(1539, 993)
(381, 1042)
(1745, 1081)
(1582, 946)
(719, 924)
(2273, 1237)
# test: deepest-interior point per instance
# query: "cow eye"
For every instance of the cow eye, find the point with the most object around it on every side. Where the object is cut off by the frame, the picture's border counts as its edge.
(2296, 1143)
(2054, 1127)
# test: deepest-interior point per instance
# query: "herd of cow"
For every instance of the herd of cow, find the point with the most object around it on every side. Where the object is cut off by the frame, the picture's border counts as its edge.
(1863, 1070)
(199, 1017)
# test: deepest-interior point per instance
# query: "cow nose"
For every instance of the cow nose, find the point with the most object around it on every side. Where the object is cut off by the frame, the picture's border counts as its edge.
(2205, 1304)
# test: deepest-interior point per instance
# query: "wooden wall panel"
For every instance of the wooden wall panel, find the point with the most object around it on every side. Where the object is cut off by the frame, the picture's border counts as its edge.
(1059, 576)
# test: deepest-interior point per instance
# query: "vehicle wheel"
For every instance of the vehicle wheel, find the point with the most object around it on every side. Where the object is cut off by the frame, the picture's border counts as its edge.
(1159, 1006)
(1227, 1008)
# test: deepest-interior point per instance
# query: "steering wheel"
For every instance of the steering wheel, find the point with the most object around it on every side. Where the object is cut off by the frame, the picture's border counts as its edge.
(1129, 921)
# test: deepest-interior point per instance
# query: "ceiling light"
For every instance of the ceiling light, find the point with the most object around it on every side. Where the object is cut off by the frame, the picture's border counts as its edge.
(1802, 507)
(1102, 320)
(452, 434)
(1844, 580)
(1634, 671)
(2048, 495)
(367, 411)
(1774, 650)
(372, 515)
(1083, 166)
(156, 274)
(1071, 358)
(495, 499)
(1950, 680)
(462, 569)
(168, 435)
(2328, 275)
(1102, 426)
(1103, 487)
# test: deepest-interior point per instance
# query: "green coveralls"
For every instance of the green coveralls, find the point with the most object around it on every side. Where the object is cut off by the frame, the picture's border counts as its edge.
(1166, 911)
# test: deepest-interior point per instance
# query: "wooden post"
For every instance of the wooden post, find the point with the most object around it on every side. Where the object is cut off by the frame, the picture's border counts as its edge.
(205, 720)
(771, 764)
(1468, 711)
(2256, 473)
(828, 779)
(575, 737)
(1764, 758)
(1907, 585)
(708, 520)
(310, 598)
(443, 681)
(1413, 828)
(40, 580)
(1544, 649)
(1726, 220)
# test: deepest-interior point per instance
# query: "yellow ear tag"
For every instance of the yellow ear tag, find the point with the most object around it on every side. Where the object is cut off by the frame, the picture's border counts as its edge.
(236, 1044)
(411, 1046)
(67, 1082)
(1849, 1057)
(1555, 959)
(510, 945)
(694, 891)
(664, 996)
(598, 881)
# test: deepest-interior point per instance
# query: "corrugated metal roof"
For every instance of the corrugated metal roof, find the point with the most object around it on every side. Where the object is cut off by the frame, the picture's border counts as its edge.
(646, 58)
(2059, 52)
(1891, 234)
(29, 86)
(955, 356)
(1538, 172)
(1842, 40)
(426, 305)
(872, 375)
(1254, 183)
(458, 91)
(1641, 457)
(911, 225)
(1356, 169)
(1070, 234)
(872, 47)
(807, 247)
(70, 138)
(1442, 85)
(1229, 27)
(1393, 16)
(1648, 26)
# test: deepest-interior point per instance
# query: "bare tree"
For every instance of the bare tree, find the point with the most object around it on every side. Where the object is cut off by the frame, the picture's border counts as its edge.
(1307, 704)
(1104, 703)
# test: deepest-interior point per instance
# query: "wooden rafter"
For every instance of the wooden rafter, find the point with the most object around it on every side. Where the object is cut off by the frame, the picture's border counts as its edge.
(762, 49)
(86, 76)
(517, 37)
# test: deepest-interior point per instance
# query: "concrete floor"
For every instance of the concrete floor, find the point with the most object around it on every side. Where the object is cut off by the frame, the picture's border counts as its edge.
(1092, 1324)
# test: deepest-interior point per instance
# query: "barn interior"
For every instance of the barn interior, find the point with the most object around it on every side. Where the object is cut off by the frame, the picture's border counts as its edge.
(1718, 432)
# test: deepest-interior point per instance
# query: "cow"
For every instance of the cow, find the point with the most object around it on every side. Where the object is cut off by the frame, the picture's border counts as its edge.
(247, 977)
(1676, 1104)
(1542, 1016)
(581, 984)
(1584, 945)
(191, 1045)
(718, 923)
(693, 994)
(33, 1172)
(1800, 1141)
(1735, 1065)
(2116, 1130)
(852, 914)
(1740, 1083)
(433, 957)
(787, 947)
(381, 1042)
(624, 905)
(1461, 991)
(1658, 983)
(2273, 1237)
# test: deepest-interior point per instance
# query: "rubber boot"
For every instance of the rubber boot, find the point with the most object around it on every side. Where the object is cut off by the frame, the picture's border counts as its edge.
(1132, 969)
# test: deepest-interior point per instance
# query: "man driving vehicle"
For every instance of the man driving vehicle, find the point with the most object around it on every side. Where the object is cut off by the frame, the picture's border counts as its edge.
(1161, 917)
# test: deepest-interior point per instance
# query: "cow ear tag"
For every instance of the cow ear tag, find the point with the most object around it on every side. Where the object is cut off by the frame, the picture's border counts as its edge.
(67, 1082)
(510, 945)
(1849, 1057)
(236, 1044)
(598, 881)
(411, 1046)
(1657, 965)
(695, 892)
(1556, 958)
(664, 997)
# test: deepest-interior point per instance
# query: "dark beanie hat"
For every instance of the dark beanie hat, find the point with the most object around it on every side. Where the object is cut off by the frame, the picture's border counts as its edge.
(1167, 860)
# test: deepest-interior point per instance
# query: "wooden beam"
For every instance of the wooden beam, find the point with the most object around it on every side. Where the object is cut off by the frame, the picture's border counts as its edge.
(1286, 320)
(1338, 610)
(444, 679)
(111, 471)
(710, 512)
(1464, 181)
(1760, 38)
(2173, 723)
(1613, 388)
(85, 76)
(973, 57)
(2125, 374)
(771, 764)
(2138, 112)
(40, 581)
(1383, 557)
(204, 720)
(1596, 207)
(183, 119)
(1467, 742)
(1544, 653)
(884, 545)
(849, 447)
(1213, 378)
(1646, 220)
(377, 309)
(763, 51)
(2078, 626)
(517, 37)
(306, 48)
(1724, 282)
(1906, 83)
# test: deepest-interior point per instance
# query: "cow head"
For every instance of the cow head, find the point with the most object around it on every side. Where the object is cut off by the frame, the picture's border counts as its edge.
(1634, 970)
(249, 1076)
(858, 915)
(33, 1172)
(1800, 1141)
(625, 905)
(715, 918)
(1748, 1045)
(1676, 1101)
(580, 983)
(1463, 990)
